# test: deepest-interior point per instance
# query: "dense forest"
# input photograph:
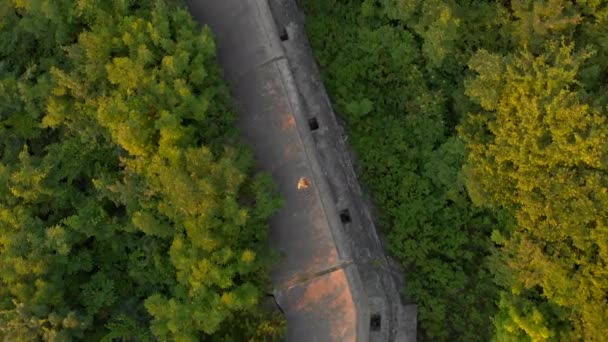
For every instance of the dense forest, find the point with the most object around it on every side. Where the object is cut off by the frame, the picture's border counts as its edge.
(481, 132)
(129, 210)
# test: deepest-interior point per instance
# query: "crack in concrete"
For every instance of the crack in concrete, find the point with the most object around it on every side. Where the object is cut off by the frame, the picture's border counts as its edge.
(303, 278)
(260, 66)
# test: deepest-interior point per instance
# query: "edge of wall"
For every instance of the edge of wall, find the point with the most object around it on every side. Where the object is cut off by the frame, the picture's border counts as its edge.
(299, 112)
(382, 277)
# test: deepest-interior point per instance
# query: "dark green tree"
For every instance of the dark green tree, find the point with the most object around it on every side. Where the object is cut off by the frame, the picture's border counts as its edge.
(513, 92)
(128, 207)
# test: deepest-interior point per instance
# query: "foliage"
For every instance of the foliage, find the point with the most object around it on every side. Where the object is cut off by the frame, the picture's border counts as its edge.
(543, 155)
(480, 128)
(397, 105)
(128, 208)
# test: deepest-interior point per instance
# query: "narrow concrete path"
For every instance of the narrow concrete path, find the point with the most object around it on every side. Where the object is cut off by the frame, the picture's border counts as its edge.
(317, 284)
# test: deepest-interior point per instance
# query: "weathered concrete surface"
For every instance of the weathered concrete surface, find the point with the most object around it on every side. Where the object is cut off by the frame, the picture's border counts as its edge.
(334, 282)
(316, 284)
(381, 277)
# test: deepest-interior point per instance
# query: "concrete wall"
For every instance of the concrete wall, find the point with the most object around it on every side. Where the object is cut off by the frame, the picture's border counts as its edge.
(334, 282)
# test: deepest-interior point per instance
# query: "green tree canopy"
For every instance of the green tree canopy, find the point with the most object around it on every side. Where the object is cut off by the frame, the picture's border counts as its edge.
(128, 206)
(540, 151)
(480, 127)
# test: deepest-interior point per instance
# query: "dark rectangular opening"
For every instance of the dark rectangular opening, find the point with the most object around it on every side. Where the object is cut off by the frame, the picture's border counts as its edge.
(284, 35)
(375, 322)
(313, 124)
(345, 216)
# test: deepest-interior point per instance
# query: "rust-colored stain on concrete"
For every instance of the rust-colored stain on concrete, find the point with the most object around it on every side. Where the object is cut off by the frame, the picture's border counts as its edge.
(329, 297)
(289, 122)
(292, 151)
